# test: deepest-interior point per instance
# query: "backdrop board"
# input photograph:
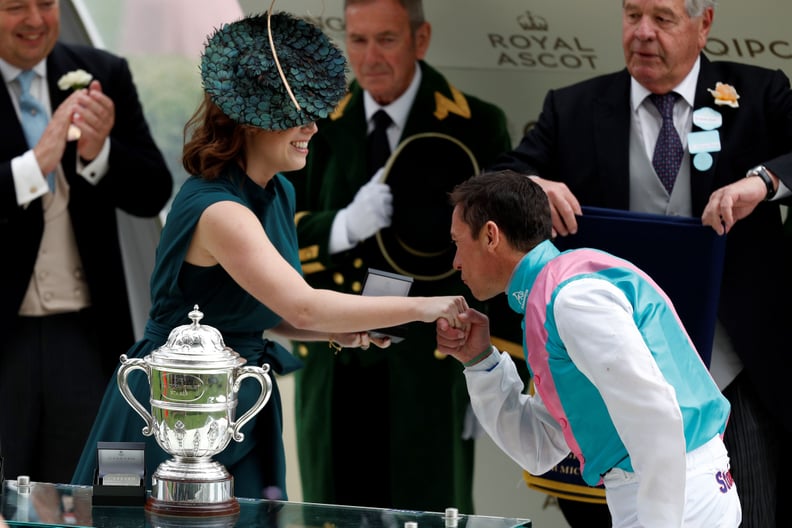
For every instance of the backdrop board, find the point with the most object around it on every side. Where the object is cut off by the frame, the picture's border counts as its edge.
(511, 52)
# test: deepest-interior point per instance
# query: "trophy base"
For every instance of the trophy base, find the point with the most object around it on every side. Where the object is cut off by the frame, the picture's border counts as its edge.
(178, 509)
(180, 517)
(183, 487)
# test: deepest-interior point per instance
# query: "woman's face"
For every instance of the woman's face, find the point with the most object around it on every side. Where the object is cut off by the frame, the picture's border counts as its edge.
(280, 150)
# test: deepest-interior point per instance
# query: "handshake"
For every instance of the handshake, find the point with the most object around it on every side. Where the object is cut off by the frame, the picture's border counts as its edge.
(370, 210)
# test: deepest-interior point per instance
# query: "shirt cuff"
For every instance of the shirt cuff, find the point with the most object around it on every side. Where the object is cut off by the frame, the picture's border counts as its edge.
(95, 170)
(782, 191)
(29, 182)
(489, 362)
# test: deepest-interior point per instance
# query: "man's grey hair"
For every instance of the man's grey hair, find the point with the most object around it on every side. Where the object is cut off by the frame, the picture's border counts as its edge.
(696, 8)
(414, 10)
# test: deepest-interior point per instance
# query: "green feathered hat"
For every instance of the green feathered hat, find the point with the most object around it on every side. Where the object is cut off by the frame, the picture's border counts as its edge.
(241, 76)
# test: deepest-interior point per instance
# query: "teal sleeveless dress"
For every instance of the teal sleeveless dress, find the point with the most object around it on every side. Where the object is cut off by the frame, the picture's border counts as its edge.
(258, 462)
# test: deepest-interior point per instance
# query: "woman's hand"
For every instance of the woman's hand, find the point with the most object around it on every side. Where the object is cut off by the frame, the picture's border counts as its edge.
(447, 308)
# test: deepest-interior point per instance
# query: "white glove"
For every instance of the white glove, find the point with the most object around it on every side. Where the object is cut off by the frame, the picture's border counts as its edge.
(370, 210)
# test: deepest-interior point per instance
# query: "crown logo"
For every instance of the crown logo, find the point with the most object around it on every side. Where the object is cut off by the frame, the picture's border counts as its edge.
(530, 22)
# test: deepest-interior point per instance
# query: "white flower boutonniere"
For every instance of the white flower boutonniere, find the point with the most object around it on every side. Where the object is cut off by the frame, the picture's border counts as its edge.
(725, 94)
(74, 80)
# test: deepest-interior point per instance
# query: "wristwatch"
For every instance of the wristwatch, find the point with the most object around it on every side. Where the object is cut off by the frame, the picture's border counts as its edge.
(761, 171)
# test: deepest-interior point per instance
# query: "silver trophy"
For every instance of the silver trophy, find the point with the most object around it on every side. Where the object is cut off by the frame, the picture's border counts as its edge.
(194, 381)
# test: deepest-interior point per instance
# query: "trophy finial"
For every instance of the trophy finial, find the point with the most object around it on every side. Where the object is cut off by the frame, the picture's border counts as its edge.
(195, 315)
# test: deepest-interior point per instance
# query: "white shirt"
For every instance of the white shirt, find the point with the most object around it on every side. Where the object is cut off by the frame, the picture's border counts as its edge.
(594, 320)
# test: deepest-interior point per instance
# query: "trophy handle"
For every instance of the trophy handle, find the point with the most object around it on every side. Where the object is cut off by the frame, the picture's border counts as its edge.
(260, 373)
(127, 366)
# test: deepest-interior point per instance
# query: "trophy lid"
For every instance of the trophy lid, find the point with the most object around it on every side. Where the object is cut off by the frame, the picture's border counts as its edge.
(195, 345)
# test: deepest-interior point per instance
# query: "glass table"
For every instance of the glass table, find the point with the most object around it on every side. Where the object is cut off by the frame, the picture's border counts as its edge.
(62, 505)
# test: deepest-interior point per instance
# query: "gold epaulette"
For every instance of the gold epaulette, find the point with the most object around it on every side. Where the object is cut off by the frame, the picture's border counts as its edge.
(445, 106)
(340, 107)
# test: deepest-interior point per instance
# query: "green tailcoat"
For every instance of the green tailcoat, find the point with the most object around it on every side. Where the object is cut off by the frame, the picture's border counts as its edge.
(425, 462)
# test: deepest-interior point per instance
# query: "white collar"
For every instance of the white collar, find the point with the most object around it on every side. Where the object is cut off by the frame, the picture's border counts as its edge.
(10, 72)
(687, 88)
(399, 109)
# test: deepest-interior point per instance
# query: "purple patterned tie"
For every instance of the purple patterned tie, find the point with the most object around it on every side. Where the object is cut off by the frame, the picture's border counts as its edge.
(668, 149)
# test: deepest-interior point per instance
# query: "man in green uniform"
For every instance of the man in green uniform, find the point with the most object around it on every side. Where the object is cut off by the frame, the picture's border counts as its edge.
(386, 428)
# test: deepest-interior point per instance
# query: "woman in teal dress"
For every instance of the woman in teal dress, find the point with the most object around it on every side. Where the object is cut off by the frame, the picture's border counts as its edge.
(230, 246)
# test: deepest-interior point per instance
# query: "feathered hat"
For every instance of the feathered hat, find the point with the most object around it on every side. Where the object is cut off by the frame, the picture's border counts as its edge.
(273, 72)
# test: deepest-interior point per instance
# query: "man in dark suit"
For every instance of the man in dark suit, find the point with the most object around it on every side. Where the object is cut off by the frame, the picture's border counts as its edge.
(594, 145)
(64, 313)
(384, 428)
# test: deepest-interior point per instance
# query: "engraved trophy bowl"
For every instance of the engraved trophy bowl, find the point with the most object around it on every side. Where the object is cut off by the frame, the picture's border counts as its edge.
(194, 380)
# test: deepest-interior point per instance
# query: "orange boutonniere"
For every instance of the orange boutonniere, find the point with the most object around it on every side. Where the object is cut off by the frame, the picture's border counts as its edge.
(725, 94)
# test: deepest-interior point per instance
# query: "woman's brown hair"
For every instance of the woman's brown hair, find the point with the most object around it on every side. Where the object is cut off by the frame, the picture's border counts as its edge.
(215, 141)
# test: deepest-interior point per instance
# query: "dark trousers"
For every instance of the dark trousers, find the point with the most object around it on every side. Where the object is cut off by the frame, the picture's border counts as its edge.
(754, 441)
(51, 385)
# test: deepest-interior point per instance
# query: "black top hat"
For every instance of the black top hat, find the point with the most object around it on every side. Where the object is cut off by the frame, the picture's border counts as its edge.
(273, 72)
(421, 173)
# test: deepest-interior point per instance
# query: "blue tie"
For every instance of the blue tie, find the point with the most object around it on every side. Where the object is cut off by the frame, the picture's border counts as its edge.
(34, 117)
(668, 150)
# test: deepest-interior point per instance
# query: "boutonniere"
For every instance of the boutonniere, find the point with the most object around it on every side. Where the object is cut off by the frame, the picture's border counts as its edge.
(74, 80)
(725, 94)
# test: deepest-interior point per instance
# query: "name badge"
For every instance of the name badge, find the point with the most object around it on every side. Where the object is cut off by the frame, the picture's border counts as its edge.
(702, 161)
(705, 141)
(707, 118)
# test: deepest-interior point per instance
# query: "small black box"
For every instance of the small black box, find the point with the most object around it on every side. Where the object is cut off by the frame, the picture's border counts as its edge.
(120, 476)
(380, 282)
